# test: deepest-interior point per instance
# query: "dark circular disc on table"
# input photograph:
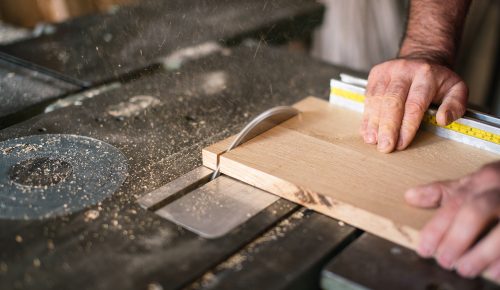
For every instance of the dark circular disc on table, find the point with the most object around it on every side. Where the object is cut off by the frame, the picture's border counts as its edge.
(43, 176)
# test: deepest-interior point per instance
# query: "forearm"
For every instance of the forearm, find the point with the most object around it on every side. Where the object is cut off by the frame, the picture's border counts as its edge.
(434, 30)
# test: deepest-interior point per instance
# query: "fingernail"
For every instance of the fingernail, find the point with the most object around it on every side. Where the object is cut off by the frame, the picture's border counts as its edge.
(449, 117)
(400, 142)
(466, 270)
(445, 260)
(425, 248)
(370, 138)
(424, 251)
(383, 143)
(411, 193)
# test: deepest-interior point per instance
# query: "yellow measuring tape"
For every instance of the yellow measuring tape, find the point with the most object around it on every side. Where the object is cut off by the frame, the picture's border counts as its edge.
(428, 119)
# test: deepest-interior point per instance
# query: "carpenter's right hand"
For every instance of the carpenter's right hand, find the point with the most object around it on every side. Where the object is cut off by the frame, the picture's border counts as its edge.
(399, 92)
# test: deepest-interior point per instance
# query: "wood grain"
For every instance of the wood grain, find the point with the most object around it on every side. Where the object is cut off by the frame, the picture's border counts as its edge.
(319, 160)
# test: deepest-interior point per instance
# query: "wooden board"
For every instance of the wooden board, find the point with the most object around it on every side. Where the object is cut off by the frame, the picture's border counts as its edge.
(319, 160)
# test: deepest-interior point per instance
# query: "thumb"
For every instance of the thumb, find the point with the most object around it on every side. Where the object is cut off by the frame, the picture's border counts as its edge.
(429, 195)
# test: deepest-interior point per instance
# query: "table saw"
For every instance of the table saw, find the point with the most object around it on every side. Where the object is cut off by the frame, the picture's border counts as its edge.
(133, 127)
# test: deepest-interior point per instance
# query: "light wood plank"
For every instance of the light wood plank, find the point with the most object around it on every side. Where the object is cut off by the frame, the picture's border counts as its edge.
(319, 160)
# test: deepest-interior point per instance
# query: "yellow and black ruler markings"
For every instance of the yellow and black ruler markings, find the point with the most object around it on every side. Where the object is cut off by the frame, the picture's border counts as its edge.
(471, 131)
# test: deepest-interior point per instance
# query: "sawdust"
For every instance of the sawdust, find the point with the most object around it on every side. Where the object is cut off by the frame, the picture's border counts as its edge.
(177, 58)
(91, 215)
(36, 263)
(206, 281)
(154, 286)
(214, 82)
(237, 261)
(40, 172)
(77, 99)
(20, 149)
(156, 157)
(10, 33)
(396, 250)
(133, 107)
(38, 176)
(3, 267)
(50, 245)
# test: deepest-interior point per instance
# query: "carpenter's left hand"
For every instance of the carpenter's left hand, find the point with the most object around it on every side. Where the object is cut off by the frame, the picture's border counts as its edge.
(464, 234)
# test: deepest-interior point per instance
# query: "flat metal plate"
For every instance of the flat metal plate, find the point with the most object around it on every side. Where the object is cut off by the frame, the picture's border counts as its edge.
(43, 176)
(182, 185)
(217, 207)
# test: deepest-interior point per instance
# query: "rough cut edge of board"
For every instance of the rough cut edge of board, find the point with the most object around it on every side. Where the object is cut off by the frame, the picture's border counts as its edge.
(210, 155)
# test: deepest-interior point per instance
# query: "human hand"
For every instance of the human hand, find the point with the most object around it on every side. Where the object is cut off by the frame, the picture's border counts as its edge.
(398, 94)
(464, 234)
